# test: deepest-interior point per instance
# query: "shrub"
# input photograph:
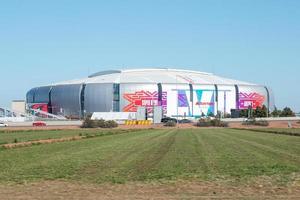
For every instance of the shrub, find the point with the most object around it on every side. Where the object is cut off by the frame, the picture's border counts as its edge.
(203, 123)
(262, 123)
(211, 123)
(88, 123)
(253, 122)
(184, 121)
(106, 124)
(218, 123)
(111, 124)
(170, 123)
(101, 123)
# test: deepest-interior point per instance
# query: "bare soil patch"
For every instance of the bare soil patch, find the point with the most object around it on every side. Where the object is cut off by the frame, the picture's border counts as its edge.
(36, 142)
(29, 128)
(176, 190)
(272, 124)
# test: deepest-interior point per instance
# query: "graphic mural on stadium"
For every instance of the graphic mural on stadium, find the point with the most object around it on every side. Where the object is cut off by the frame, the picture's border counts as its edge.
(203, 102)
(146, 99)
(252, 99)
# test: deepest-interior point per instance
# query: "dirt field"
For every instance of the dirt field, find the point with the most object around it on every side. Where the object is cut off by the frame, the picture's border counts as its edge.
(49, 190)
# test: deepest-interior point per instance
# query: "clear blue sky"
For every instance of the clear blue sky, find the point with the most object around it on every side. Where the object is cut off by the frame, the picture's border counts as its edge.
(42, 42)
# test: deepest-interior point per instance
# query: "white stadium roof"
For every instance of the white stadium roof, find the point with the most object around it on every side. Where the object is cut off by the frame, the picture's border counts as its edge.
(166, 75)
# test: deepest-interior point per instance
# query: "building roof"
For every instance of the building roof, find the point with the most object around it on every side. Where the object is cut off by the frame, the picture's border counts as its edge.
(165, 75)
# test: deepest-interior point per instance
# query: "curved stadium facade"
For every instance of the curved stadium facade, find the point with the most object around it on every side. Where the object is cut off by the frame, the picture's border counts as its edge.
(179, 92)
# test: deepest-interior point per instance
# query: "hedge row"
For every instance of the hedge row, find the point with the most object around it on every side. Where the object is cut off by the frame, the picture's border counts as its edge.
(254, 122)
(88, 123)
(211, 123)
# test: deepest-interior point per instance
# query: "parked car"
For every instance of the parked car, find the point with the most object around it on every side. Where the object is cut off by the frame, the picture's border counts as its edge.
(39, 123)
(3, 124)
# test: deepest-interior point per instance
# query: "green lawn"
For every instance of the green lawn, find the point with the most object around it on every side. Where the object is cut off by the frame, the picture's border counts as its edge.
(7, 137)
(147, 155)
(287, 131)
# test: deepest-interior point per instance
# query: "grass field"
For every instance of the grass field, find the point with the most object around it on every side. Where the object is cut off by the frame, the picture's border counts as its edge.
(152, 155)
(289, 131)
(7, 137)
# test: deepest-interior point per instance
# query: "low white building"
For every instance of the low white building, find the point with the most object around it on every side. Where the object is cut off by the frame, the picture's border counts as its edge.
(18, 106)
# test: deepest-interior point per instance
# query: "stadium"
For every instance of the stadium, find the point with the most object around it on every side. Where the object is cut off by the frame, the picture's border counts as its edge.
(178, 92)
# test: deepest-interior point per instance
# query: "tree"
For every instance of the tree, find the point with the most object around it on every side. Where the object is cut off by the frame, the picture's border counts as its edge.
(276, 112)
(244, 113)
(265, 111)
(287, 112)
(260, 111)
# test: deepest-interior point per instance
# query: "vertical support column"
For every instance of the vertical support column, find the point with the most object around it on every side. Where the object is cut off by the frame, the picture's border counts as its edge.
(82, 90)
(268, 100)
(116, 97)
(225, 102)
(159, 97)
(192, 98)
(216, 98)
(50, 101)
(159, 90)
(237, 96)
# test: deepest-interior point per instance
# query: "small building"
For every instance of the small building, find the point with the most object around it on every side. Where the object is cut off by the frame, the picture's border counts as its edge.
(18, 106)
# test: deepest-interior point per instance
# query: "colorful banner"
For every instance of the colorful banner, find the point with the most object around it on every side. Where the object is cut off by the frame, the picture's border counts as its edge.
(184, 107)
(145, 99)
(203, 102)
(252, 99)
(182, 99)
(40, 106)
